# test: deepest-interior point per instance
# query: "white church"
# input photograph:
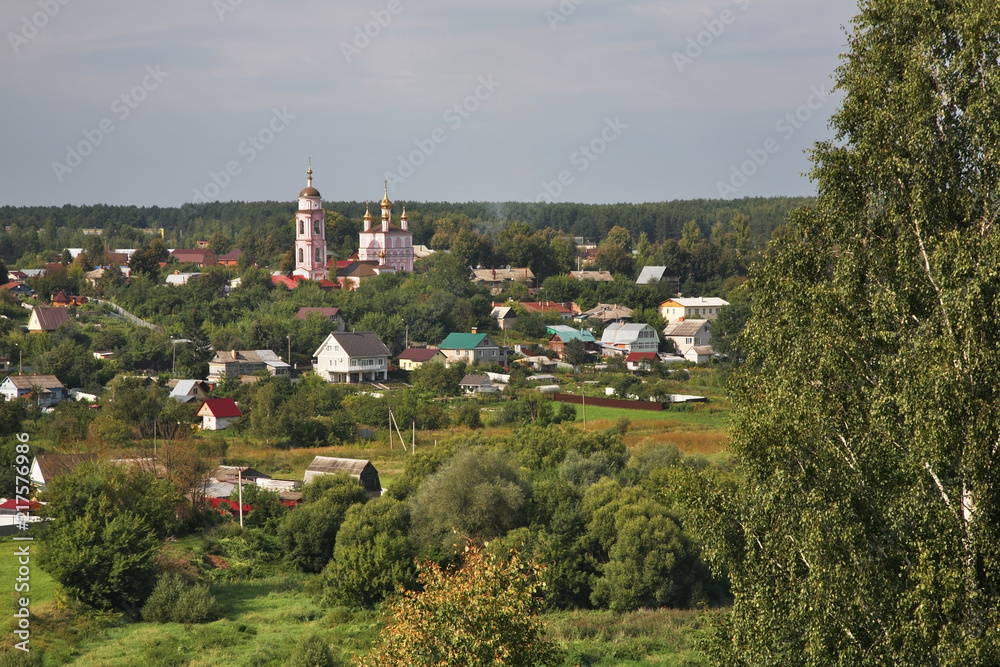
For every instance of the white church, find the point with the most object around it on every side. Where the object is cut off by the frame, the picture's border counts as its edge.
(387, 247)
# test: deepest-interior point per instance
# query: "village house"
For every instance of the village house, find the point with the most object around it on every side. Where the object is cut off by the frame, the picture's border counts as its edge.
(700, 354)
(352, 357)
(218, 413)
(495, 278)
(361, 470)
(61, 300)
(688, 333)
(606, 312)
(623, 339)
(598, 276)
(200, 257)
(640, 361)
(504, 315)
(246, 362)
(46, 467)
(232, 257)
(473, 348)
(659, 274)
(186, 391)
(331, 314)
(413, 358)
(562, 334)
(352, 275)
(477, 384)
(43, 390)
(702, 307)
(178, 278)
(46, 318)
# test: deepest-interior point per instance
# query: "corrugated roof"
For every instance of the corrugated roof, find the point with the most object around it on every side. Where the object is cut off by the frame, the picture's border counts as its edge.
(697, 302)
(461, 341)
(473, 381)
(331, 465)
(49, 319)
(651, 274)
(54, 465)
(685, 328)
(306, 311)
(32, 381)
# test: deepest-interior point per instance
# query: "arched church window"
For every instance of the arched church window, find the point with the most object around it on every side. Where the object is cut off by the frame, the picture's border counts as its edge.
(302, 228)
(316, 227)
(301, 256)
(319, 255)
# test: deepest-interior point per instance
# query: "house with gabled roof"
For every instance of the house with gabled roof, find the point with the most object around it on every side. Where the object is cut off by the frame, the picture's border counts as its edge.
(477, 384)
(414, 357)
(46, 467)
(495, 278)
(560, 334)
(640, 361)
(659, 274)
(504, 315)
(201, 257)
(361, 470)
(689, 333)
(597, 276)
(218, 413)
(352, 357)
(45, 318)
(43, 390)
(548, 308)
(333, 315)
(232, 257)
(186, 391)
(473, 348)
(623, 339)
(606, 312)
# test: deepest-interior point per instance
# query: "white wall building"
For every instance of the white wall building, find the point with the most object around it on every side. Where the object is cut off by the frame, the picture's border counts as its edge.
(352, 357)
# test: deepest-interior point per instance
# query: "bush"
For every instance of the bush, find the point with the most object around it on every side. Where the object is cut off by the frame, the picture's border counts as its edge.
(314, 651)
(175, 601)
(468, 415)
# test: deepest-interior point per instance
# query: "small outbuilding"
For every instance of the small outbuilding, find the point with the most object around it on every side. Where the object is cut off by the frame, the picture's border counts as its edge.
(361, 470)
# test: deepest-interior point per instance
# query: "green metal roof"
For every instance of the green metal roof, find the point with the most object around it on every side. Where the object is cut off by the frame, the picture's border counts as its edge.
(569, 334)
(461, 341)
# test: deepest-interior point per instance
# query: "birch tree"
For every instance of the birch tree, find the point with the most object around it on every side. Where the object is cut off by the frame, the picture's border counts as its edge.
(868, 415)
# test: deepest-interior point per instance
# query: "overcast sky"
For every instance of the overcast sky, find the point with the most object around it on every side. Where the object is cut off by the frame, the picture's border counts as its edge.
(593, 101)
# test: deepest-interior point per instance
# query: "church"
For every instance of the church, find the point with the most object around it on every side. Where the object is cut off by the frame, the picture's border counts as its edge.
(387, 247)
(387, 244)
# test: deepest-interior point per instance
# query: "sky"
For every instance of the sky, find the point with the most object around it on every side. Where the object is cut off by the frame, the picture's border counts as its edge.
(593, 101)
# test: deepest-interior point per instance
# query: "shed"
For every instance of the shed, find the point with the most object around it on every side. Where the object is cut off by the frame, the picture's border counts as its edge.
(47, 467)
(362, 470)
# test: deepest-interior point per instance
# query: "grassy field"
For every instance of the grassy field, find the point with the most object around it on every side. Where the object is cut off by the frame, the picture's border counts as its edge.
(260, 622)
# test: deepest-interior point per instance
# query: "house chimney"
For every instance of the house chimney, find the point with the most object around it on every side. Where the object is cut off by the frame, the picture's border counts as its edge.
(475, 329)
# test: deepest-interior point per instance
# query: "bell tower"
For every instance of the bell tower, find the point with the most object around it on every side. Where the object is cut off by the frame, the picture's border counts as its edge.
(310, 233)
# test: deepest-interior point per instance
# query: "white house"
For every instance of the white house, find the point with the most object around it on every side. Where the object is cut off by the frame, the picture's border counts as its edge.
(689, 333)
(477, 384)
(624, 339)
(44, 390)
(699, 308)
(218, 413)
(700, 354)
(352, 357)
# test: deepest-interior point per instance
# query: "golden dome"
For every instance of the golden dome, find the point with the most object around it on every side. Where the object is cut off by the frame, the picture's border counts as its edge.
(309, 190)
(382, 254)
(403, 217)
(368, 214)
(385, 200)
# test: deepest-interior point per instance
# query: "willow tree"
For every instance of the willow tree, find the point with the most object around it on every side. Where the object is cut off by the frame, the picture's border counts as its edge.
(866, 530)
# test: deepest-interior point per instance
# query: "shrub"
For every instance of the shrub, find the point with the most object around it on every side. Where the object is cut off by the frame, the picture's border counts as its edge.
(314, 651)
(174, 601)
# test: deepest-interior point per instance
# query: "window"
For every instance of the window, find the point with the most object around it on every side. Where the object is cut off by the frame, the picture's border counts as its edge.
(301, 257)
(316, 227)
(302, 228)
(319, 255)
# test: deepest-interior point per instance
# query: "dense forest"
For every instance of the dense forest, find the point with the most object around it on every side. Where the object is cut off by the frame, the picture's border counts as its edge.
(263, 229)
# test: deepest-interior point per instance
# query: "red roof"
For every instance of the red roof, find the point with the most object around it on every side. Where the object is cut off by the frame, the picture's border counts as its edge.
(290, 283)
(639, 356)
(220, 408)
(545, 306)
(11, 504)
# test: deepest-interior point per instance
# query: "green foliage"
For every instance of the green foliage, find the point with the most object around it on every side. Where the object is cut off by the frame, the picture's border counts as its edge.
(268, 510)
(175, 600)
(308, 535)
(313, 651)
(443, 624)
(865, 531)
(468, 415)
(475, 495)
(373, 555)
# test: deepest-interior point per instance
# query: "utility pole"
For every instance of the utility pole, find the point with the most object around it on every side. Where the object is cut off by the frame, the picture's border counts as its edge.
(583, 395)
(289, 349)
(239, 479)
(173, 363)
